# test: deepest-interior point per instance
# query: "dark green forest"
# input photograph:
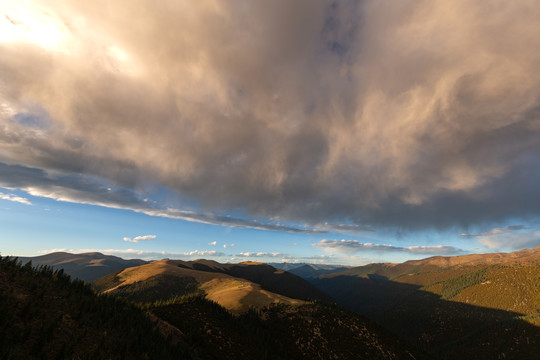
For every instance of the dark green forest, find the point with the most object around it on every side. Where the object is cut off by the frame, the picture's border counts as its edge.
(44, 314)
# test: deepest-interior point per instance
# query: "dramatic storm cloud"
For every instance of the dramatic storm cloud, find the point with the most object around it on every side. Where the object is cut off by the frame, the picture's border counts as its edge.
(89, 190)
(406, 114)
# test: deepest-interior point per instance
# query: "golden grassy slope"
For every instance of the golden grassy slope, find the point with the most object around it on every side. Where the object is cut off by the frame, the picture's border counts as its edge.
(504, 281)
(162, 267)
(235, 294)
(522, 257)
(508, 288)
(504, 287)
(238, 295)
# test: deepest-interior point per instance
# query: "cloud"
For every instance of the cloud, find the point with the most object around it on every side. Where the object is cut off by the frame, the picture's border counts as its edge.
(348, 246)
(212, 243)
(261, 254)
(512, 237)
(282, 257)
(204, 253)
(15, 198)
(345, 228)
(90, 190)
(140, 238)
(411, 116)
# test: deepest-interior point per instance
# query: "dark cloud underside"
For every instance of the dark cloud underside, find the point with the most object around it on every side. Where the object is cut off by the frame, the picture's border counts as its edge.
(411, 114)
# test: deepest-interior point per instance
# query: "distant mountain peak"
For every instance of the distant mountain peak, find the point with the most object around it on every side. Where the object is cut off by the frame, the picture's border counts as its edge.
(85, 266)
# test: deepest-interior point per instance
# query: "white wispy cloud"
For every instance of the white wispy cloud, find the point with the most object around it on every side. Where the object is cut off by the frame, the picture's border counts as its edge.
(283, 257)
(204, 253)
(15, 198)
(94, 191)
(139, 238)
(348, 246)
(212, 243)
(512, 237)
(253, 254)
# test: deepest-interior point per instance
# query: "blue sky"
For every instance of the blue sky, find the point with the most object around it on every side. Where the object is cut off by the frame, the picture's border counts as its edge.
(36, 225)
(349, 132)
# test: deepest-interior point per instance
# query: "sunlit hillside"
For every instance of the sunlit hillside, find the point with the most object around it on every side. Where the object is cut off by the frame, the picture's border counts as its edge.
(166, 279)
(485, 304)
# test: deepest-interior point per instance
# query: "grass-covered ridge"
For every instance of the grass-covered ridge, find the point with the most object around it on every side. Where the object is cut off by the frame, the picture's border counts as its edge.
(453, 286)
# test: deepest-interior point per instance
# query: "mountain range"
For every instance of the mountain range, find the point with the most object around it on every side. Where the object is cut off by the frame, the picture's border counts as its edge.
(47, 315)
(487, 305)
(86, 266)
(471, 306)
(237, 287)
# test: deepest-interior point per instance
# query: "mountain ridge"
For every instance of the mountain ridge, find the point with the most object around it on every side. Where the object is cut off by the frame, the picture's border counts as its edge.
(452, 307)
(237, 287)
(85, 266)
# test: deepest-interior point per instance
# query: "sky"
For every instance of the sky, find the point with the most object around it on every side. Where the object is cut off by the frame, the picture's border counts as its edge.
(313, 131)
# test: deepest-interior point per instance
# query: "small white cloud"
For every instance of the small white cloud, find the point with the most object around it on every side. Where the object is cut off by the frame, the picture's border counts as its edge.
(232, 245)
(15, 198)
(224, 246)
(139, 238)
(212, 243)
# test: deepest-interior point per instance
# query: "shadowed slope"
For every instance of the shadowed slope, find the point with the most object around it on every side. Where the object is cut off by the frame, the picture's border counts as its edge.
(446, 329)
(465, 306)
(309, 271)
(309, 331)
(506, 281)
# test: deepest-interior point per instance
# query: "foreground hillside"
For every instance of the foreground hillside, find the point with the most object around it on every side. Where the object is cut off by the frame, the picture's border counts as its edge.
(86, 266)
(44, 315)
(309, 331)
(47, 316)
(475, 305)
(236, 287)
